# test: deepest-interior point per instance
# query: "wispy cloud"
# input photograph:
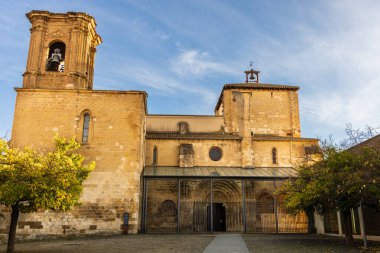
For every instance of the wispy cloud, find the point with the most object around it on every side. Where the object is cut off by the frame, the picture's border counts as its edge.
(330, 50)
(334, 60)
(359, 107)
(143, 74)
(194, 63)
(345, 69)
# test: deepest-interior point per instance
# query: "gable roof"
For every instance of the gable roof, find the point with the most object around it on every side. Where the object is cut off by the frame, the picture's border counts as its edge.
(373, 142)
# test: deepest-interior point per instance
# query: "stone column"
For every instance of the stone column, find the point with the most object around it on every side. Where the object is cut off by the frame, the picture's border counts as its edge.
(34, 62)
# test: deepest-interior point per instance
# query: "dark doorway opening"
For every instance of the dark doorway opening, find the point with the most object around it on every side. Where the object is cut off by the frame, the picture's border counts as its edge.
(218, 218)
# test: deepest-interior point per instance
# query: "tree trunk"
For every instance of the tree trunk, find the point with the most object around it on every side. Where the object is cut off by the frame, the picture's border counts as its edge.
(311, 221)
(12, 229)
(347, 223)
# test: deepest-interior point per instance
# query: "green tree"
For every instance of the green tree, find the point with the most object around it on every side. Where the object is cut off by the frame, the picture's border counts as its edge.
(31, 180)
(340, 180)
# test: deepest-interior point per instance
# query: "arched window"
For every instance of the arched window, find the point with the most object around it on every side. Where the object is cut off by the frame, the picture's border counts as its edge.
(86, 127)
(168, 208)
(274, 155)
(183, 127)
(265, 203)
(155, 155)
(56, 57)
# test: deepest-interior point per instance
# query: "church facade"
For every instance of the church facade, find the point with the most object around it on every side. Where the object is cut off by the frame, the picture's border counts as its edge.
(156, 173)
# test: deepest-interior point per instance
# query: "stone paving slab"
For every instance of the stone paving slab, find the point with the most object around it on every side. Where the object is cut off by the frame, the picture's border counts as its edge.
(227, 243)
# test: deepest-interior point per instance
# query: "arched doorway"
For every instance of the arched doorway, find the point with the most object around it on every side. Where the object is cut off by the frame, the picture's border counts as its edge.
(224, 207)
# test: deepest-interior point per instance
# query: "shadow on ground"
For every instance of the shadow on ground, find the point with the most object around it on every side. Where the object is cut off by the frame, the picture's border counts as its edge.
(303, 243)
(168, 243)
(191, 243)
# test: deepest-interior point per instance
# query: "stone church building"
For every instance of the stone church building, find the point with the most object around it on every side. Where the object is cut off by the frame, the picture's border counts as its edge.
(156, 172)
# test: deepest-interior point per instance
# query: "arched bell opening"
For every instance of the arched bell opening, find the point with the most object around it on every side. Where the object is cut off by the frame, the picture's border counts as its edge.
(56, 57)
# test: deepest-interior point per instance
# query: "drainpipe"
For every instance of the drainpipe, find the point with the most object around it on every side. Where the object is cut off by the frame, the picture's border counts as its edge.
(179, 206)
(275, 207)
(145, 204)
(211, 210)
(243, 198)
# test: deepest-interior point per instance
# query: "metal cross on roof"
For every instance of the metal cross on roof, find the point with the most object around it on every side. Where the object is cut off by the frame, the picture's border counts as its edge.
(251, 63)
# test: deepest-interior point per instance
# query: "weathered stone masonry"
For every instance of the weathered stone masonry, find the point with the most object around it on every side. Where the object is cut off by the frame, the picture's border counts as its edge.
(159, 169)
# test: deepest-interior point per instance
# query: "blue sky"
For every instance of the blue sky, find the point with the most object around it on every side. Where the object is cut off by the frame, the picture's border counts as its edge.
(182, 52)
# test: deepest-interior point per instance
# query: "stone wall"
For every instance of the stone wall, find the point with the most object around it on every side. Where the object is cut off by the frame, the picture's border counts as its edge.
(289, 152)
(271, 111)
(116, 141)
(168, 152)
(275, 112)
(197, 123)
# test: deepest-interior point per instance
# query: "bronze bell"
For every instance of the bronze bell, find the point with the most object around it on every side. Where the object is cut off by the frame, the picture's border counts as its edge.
(54, 60)
(56, 56)
(252, 77)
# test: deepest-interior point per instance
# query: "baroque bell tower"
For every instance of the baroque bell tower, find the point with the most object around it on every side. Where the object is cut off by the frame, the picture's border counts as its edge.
(61, 51)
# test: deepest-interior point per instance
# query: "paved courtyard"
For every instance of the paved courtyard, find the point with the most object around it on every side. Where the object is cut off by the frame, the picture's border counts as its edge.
(203, 243)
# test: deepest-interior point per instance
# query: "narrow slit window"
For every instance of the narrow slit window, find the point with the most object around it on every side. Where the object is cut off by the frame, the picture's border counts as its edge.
(274, 155)
(155, 153)
(86, 127)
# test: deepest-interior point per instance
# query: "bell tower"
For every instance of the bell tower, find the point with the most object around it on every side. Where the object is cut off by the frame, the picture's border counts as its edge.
(61, 51)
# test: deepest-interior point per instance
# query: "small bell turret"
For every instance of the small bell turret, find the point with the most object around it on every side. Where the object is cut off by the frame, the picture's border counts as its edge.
(251, 76)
